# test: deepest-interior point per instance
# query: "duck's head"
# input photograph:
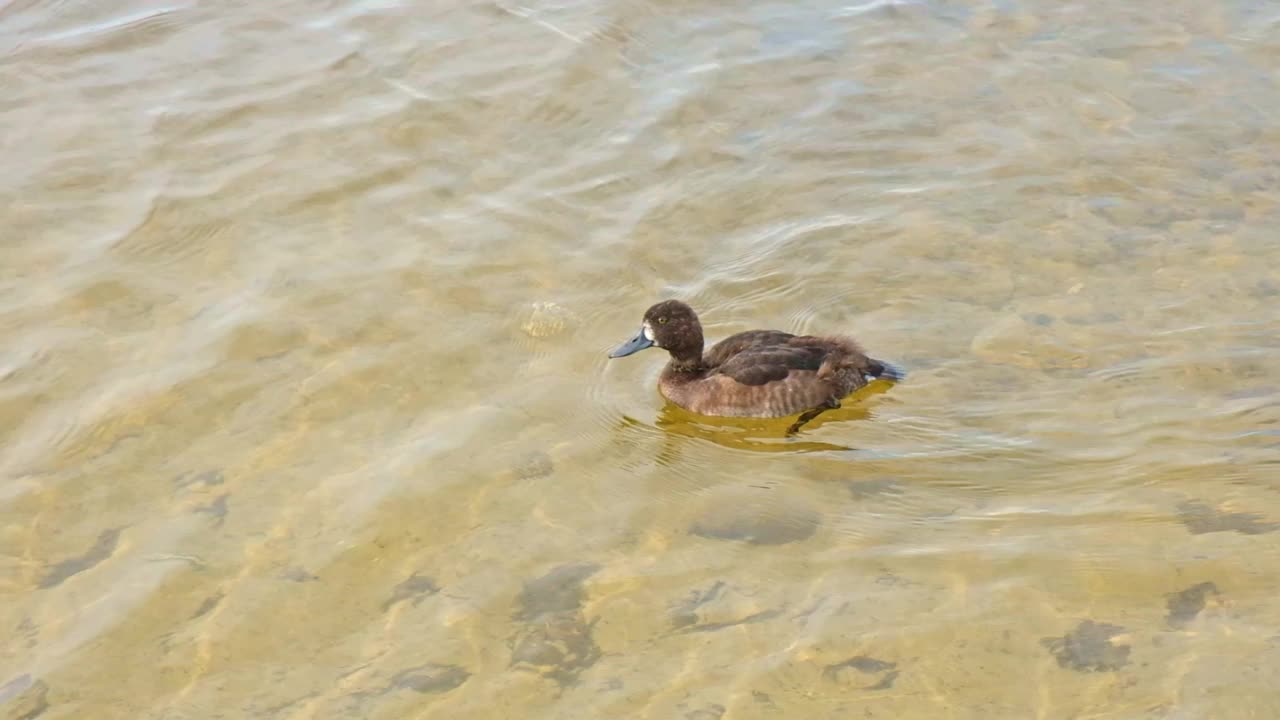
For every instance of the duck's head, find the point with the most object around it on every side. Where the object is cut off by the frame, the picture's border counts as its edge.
(670, 325)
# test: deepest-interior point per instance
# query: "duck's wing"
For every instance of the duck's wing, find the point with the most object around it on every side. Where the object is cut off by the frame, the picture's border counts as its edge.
(767, 373)
(764, 380)
(765, 363)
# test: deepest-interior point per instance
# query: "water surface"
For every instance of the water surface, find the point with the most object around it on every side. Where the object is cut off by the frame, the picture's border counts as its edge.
(305, 410)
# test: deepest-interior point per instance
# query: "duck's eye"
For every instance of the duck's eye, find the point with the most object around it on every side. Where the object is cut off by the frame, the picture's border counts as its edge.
(662, 321)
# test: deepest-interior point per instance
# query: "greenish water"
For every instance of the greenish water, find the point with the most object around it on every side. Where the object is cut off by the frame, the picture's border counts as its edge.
(305, 410)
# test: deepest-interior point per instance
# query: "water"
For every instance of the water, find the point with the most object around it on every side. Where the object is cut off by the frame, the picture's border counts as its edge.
(305, 410)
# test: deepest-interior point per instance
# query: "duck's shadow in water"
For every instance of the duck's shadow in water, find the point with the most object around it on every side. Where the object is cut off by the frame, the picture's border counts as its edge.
(765, 434)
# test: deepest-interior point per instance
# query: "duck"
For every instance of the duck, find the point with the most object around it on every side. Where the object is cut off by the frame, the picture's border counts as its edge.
(757, 373)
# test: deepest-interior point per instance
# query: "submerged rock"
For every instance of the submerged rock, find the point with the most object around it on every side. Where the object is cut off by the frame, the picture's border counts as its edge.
(535, 464)
(888, 671)
(776, 523)
(560, 647)
(556, 640)
(299, 575)
(546, 319)
(102, 549)
(415, 587)
(718, 607)
(560, 590)
(711, 712)
(1035, 345)
(1186, 605)
(24, 698)
(1090, 648)
(430, 678)
(1202, 518)
(863, 489)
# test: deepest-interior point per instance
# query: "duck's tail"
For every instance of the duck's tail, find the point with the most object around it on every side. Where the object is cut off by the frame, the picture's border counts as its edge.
(882, 370)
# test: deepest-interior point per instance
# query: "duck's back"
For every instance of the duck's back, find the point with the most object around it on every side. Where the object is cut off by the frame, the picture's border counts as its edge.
(735, 345)
(769, 373)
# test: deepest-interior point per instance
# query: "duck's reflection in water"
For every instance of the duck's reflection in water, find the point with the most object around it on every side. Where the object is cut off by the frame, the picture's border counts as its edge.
(766, 434)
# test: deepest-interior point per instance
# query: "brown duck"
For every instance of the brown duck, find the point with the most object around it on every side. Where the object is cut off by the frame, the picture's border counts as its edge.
(757, 373)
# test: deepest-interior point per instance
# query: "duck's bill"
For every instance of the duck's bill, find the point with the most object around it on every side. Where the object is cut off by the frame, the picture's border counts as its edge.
(634, 345)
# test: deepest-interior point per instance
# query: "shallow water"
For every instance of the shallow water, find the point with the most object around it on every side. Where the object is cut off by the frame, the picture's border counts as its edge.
(305, 410)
